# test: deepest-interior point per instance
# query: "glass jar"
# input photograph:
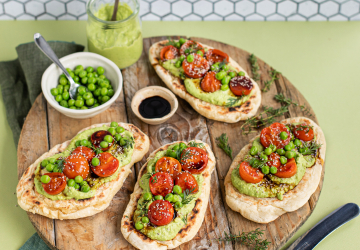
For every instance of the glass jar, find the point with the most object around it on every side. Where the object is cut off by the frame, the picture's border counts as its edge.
(121, 40)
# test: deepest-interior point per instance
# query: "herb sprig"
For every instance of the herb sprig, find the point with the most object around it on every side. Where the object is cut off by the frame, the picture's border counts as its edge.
(185, 218)
(254, 67)
(187, 198)
(60, 165)
(309, 148)
(273, 74)
(287, 101)
(173, 43)
(196, 144)
(222, 142)
(232, 101)
(250, 239)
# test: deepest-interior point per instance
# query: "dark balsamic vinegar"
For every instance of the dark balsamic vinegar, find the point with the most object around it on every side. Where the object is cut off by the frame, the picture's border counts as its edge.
(154, 107)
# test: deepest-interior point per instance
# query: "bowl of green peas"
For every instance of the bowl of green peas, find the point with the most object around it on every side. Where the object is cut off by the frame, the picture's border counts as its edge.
(100, 85)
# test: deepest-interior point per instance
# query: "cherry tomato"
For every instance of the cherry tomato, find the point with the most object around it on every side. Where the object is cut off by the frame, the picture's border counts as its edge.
(271, 135)
(274, 160)
(288, 170)
(98, 137)
(303, 132)
(210, 83)
(169, 52)
(194, 160)
(75, 165)
(250, 174)
(56, 185)
(169, 165)
(187, 181)
(241, 85)
(84, 151)
(108, 165)
(196, 68)
(160, 212)
(215, 55)
(191, 47)
(161, 183)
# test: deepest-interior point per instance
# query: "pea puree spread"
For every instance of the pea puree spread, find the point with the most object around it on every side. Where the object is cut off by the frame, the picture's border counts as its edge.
(169, 231)
(219, 97)
(122, 42)
(70, 192)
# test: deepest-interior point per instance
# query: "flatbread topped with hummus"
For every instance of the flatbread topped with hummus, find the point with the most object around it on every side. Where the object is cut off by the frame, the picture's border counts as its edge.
(79, 178)
(207, 78)
(170, 197)
(278, 171)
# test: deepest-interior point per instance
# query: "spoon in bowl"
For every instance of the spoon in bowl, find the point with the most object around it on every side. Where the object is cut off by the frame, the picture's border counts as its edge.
(46, 49)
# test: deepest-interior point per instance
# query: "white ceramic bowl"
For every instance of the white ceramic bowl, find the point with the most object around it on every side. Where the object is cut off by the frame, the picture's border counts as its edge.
(51, 75)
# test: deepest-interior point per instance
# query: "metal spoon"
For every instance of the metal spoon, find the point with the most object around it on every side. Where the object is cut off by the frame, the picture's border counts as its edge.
(46, 49)
(326, 226)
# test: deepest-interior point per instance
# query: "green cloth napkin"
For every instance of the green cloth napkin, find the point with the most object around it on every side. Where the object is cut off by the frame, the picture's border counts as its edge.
(20, 80)
(20, 84)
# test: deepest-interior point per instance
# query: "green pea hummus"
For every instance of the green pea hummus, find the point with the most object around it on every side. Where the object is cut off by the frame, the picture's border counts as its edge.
(274, 186)
(220, 97)
(70, 192)
(121, 42)
(169, 231)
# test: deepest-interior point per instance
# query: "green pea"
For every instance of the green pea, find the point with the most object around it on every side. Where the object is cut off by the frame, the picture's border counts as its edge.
(147, 196)
(265, 169)
(176, 198)
(145, 220)
(177, 189)
(72, 75)
(50, 167)
(45, 179)
(84, 142)
(273, 147)
(232, 74)
(65, 96)
(71, 183)
(255, 163)
(87, 95)
(83, 183)
(263, 157)
(182, 58)
(280, 151)
(85, 188)
(182, 41)
(273, 170)
(139, 225)
(111, 92)
(95, 161)
(66, 88)
(68, 70)
(177, 45)
(78, 179)
(56, 170)
(283, 160)
(77, 72)
(288, 147)
(199, 52)
(123, 142)
(178, 64)
(120, 129)
(215, 67)
(176, 147)
(102, 77)
(112, 131)
(79, 67)
(78, 143)
(297, 142)
(118, 137)
(190, 58)
(181, 195)
(220, 75)
(44, 163)
(82, 74)
(108, 138)
(100, 70)
(268, 151)
(104, 144)
(226, 80)
(91, 86)
(72, 107)
(114, 124)
(60, 89)
(104, 91)
(76, 79)
(79, 97)
(225, 67)
(171, 153)
(292, 144)
(79, 103)
(253, 150)
(91, 80)
(159, 197)
(169, 197)
(103, 84)
(303, 150)
(81, 90)
(178, 204)
(63, 80)
(84, 80)
(283, 135)
(183, 145)
(77, 186)
(52, 160)
(96, 105)
(97, 92)
(58, 98)
(224, 87)
(90, 69)
(90, 102)
(241, 73)
(290, 154)
(54, 91)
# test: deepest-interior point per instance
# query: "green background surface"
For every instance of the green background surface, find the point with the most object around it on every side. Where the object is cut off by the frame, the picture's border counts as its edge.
(322, 59)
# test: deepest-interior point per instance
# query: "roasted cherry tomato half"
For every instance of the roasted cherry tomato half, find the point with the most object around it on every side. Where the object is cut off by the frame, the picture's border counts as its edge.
(210, 83)
(160, 212)
(271, 135)
(250, 174)
(194, 160)
(56, 185)
(241, 85)
(169, 52)
(169, 165)
(88, 153)
(196, 68)
(274, 160)
(187, 181)
(161, 183)
(288, 170)
(108, 165)
(215, 55)
(191, 47)
(98, 137)
(75, 165)
(304, 132)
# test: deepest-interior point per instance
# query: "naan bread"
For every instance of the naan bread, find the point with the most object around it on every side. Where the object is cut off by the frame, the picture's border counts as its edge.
(265, 210)
(211, 111)
(30, 200)
(195, 217)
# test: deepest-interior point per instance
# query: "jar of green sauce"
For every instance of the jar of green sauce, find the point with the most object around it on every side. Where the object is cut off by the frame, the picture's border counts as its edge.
(119, 40)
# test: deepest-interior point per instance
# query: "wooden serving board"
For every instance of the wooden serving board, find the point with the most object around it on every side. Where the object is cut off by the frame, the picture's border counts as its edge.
(45, 127)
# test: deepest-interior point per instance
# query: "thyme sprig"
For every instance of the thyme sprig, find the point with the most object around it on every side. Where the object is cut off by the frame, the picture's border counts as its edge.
(287, 101)
(154, 180)
(173, 43)
(254, 67)
(310, 148)
(187, 198)
(196, 144)
(250, 239)
(60, 165)
(273, 74)
(222, 142)
(185, 218)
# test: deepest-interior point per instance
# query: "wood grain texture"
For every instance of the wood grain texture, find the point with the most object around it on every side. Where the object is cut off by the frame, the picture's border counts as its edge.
(102, 231)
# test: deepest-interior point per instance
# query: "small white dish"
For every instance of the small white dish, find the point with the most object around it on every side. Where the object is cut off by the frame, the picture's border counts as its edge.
(147, 92)
(51, 75)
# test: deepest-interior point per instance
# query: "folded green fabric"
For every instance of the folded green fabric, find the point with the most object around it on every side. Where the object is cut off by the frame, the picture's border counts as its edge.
(20, 80)
(20, 84)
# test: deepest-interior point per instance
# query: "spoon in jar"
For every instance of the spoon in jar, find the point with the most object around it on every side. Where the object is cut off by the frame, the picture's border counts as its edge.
(46, 49)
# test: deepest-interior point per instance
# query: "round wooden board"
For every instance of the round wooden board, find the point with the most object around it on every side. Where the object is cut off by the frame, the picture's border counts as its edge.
(45, 127)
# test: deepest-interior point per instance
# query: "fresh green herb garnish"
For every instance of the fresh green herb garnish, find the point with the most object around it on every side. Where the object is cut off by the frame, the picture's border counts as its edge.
(60, 164)
(287, 101)
(182, 76)
(309, 148)
(254, 67)
(232, 101)
(187, 198)
(154, 180)
(184, 219)
(223, 63)
(96, 150)
(273, 74)
(196, 144)
(172, 42)
(222, 142)
(147, 175)
(304, 127)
